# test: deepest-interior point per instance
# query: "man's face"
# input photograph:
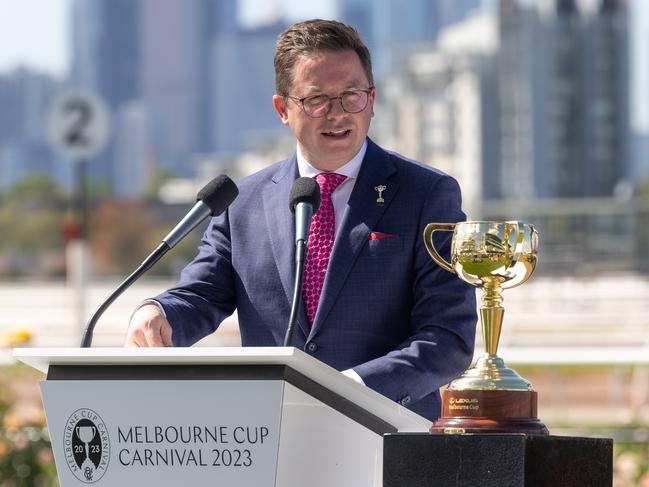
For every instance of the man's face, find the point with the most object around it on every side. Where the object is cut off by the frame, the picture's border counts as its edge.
(330, 141)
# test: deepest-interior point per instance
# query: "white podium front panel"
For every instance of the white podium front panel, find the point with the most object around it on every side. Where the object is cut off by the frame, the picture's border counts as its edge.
(320, 447)
(136, 433)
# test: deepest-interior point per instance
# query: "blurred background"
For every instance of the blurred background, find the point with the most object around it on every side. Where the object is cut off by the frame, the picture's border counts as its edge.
(540, 109)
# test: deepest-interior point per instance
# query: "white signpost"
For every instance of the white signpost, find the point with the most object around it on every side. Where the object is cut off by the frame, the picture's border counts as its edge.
(78, 126)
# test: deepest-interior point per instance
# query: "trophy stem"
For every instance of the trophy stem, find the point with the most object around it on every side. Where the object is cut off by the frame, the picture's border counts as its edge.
(491, 315)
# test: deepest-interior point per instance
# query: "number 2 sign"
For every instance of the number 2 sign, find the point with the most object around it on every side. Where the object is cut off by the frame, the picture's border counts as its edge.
(78, 125)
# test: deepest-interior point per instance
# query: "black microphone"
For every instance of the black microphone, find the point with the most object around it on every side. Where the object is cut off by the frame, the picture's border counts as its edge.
(213, 199)
(303, 201)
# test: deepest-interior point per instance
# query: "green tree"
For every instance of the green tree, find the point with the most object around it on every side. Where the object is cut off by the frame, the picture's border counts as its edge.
(31, 217)
(158, 180)
(35, 191)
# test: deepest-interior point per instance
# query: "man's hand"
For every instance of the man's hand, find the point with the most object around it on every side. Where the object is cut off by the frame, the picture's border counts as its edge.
(149, 328)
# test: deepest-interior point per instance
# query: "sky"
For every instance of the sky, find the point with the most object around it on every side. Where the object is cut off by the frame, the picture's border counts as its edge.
(34, 33)
(256, 11)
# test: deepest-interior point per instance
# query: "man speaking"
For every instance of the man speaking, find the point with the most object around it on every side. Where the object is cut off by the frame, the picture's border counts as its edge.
(375, 305)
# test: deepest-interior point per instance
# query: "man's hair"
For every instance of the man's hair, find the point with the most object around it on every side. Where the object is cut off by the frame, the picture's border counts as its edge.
(314, 36)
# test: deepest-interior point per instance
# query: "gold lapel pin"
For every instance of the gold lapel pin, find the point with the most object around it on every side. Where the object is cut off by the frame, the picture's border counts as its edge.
(379, 189)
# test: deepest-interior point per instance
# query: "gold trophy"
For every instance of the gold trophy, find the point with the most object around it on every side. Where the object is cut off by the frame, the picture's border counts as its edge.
(489, 397)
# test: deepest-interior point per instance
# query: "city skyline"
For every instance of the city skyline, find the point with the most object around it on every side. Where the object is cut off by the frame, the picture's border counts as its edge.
(50, 52)
(494, 97)
(115, 52)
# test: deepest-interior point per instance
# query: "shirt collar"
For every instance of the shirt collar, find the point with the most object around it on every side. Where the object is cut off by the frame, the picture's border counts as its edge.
(350, 169)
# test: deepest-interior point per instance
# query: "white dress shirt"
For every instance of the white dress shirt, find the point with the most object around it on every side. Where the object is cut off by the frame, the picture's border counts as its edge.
(341, 194)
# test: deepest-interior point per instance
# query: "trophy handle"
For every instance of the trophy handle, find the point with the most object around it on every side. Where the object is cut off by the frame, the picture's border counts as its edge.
(428, 240)
(520, 239)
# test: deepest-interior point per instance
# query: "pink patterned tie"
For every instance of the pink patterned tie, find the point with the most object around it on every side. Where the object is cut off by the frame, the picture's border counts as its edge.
(321, 241)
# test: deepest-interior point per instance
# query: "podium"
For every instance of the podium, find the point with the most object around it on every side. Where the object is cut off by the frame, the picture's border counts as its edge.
(211, 416)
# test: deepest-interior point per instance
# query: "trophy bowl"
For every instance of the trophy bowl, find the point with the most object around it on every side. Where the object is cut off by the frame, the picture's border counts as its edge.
(489, 397)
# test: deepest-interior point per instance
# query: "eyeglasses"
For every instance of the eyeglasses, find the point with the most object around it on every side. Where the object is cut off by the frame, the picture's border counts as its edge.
(353, 101)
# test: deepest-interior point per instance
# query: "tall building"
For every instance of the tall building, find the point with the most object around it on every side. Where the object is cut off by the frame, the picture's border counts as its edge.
(105, 56)
(176, 75)
(606, 90)
(442, 102)
(135, 150)
(243, 84)
(563, 99)
(515, 80)
(391, 28)
(105, 51)
(25, 97)
(559, 103)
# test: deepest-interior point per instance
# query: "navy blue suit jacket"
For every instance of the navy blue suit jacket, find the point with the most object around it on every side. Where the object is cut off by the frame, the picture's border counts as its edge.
(404, 324)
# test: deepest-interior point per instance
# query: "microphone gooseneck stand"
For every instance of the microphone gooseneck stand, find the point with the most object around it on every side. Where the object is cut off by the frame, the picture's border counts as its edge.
(213, 199)
(149, 262)
(300, 254)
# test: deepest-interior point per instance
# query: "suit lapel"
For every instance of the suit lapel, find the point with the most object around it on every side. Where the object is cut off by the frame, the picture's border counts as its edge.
(281, 228)
(361, 216)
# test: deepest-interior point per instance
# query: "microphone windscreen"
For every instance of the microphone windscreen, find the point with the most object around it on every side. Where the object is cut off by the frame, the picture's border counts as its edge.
(218, 194)
(304, 190)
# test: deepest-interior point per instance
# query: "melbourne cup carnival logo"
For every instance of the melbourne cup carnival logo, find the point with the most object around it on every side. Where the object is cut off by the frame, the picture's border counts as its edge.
(86, 445)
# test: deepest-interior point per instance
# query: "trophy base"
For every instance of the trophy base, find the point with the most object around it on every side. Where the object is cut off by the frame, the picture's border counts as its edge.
(488, 411)
(460, 426)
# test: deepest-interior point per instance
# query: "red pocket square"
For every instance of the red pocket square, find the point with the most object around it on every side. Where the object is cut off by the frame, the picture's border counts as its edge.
(378, 235)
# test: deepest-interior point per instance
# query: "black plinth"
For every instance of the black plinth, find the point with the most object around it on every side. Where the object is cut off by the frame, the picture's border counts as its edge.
(496, 460)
